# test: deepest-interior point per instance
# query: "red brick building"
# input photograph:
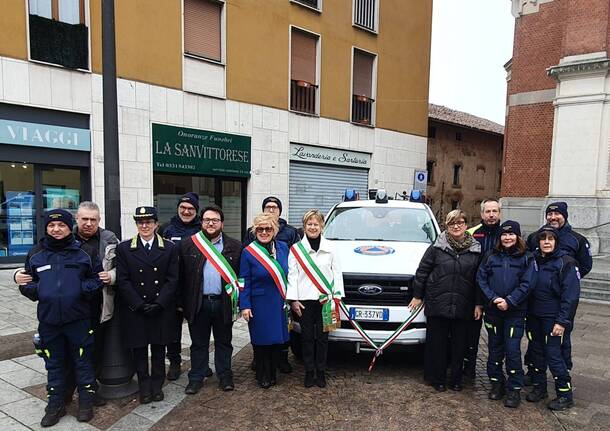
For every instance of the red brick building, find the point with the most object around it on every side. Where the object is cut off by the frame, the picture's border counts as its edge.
(557, 133)
(464, 161)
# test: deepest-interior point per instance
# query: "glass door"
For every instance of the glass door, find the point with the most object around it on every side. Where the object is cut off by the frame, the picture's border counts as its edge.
(233, 208)
(17, 209)
(169, 188)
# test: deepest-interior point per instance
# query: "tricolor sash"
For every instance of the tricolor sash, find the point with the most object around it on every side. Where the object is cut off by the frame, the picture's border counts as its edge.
(274, 269)
(329, 299)
(219, 262)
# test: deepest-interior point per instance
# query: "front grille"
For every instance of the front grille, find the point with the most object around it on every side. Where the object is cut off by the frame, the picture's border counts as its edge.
(393, 286)
(381, 326)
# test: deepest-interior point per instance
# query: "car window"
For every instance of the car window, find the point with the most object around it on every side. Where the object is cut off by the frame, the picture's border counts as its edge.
(380, 223)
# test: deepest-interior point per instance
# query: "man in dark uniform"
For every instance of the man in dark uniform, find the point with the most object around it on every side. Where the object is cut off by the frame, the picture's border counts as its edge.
(289, 235)
(64, 277)
(487, 234)
(574, 245)
(183, 225)
(147, 275)
(209, 261)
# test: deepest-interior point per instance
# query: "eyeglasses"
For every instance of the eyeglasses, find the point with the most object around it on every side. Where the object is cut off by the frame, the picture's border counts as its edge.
(456, 224)
(189, 209)
(210, 220)
(267, 229)
(271, 208)
(145, 222)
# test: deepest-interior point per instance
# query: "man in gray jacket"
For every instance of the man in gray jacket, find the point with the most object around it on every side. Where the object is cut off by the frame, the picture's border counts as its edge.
(102, 243)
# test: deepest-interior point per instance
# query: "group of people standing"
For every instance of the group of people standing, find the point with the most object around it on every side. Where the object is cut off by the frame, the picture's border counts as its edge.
(490, 274)
(186, 269)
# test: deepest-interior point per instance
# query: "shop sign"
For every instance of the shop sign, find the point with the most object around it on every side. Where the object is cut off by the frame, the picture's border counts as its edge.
(192, 151)
(44, 135)
(329, 156)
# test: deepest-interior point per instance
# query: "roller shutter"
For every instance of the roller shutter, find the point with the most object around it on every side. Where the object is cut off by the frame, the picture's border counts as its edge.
(321, 186)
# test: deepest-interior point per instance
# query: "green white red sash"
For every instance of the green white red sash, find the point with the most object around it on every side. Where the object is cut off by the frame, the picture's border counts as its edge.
(272, 266)
(218, 261)
(329, 298)
(379, 348)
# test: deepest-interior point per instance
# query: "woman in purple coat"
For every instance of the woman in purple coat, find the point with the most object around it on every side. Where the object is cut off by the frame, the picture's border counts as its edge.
(264, 265)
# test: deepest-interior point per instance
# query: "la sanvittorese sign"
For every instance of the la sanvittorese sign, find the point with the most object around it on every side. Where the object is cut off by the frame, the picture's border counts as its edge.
(192, 151)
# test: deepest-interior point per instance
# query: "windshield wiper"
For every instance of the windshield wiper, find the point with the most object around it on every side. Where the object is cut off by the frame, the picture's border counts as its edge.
(370, 239)
(338, 239)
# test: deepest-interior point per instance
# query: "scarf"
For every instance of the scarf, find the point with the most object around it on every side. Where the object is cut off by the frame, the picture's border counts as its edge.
(459, 246)
(58, 244)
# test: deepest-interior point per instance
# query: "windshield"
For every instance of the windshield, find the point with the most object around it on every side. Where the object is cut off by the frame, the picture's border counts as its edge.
(380, 223)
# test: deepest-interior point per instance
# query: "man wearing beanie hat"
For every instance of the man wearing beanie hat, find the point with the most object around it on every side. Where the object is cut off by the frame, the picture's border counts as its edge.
(184, 224)
(287, 234)
(64, 276)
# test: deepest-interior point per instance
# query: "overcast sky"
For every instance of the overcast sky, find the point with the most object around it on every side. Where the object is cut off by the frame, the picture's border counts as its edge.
(471, 42)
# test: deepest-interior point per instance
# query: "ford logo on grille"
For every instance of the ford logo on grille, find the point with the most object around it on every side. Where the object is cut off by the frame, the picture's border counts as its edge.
(370, 289)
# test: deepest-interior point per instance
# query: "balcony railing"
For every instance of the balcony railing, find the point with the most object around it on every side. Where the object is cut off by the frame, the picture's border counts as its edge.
(362, 110)
(303, 96)
(59, 43)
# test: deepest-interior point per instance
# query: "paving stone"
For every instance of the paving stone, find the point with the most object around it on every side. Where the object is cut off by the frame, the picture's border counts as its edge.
(36, 364)
(10, 365)
(10, 424)
(24, 378)
(28, 411)
(9, 393)
(132, 422)
(67, 423)
(156, 410)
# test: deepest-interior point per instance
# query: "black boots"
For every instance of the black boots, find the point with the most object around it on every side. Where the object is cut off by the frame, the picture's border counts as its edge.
(561, 403)
(537, 394)
(52, 416)
(174, 371)
(85, 411)
(284, 366)
(513, 399)
(309, 379)
(320, 379)
(497, 391)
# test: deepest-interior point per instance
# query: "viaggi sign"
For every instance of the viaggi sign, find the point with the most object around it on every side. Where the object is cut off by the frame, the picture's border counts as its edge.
(44, 135)
(329, 156)
(192, 151)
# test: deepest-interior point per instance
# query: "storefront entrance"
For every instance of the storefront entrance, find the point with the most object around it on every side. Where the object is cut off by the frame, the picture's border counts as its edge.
(229, 194)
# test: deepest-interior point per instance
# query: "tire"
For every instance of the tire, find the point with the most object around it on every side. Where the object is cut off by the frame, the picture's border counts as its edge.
(295, 344)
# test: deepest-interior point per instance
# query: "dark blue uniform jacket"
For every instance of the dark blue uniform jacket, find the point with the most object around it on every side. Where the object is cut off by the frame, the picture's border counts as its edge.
(511, 276)
(573, 243)
(63, 282)
(486, 235)
(177, 230)
(557, 288)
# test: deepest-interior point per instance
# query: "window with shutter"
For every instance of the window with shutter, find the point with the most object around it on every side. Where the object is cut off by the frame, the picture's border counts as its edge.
(362, 90)
(303, 65)
(202, 28)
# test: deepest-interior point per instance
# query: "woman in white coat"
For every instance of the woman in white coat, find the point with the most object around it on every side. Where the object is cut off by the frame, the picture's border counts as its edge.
(315, 287)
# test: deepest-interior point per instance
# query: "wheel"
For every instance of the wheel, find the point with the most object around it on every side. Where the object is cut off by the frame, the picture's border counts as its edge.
(295, 344)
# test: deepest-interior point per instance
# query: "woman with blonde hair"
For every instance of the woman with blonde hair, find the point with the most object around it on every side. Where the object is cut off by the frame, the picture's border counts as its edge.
(446, 282)
(315, 287)
(263, 266)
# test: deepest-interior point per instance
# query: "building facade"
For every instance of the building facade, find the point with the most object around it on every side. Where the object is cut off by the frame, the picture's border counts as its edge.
(464, 162)
(558, 115)
(235, 100)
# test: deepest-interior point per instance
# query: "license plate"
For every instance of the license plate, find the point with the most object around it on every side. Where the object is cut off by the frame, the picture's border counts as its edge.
(382, 314)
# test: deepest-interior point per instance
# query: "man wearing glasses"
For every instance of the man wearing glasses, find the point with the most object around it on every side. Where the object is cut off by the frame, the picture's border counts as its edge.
(182, 225)
(209, 262)
(288, 235)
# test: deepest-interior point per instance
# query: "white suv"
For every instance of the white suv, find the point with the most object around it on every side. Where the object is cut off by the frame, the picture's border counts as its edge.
(379, 244)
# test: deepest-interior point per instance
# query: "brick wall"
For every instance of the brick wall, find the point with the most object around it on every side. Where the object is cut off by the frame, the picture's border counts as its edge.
(560, 28)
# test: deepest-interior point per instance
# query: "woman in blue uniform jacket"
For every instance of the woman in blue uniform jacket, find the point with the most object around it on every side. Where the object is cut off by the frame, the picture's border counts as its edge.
(550, 317)
(262, 303)
(506, 277)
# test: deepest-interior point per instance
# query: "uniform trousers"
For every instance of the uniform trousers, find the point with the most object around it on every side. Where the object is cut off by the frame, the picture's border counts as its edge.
(150, 381)
(175, 347)
(472, 345)
(313, 337)
(438, 331)
(546, 351)
(504, 342)
(68, 346)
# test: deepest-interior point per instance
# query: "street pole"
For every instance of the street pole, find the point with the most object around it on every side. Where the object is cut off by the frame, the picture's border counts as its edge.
(117, 370)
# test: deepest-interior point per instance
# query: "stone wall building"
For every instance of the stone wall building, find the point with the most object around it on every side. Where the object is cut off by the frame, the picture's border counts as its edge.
(557, 143)
(464, 161)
